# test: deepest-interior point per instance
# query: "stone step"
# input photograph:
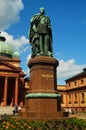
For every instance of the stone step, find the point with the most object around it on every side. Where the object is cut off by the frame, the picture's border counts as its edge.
(6, 110)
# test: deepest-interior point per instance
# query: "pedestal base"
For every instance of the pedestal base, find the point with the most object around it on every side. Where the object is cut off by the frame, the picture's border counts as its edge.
(43, 116)
(43, 100)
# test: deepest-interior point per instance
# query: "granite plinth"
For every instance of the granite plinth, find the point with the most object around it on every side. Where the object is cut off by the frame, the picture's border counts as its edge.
(43, 101)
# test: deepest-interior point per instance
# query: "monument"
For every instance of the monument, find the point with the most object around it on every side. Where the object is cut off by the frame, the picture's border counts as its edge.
(43, 101)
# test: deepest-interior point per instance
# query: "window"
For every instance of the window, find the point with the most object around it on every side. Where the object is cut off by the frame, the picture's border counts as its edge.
(76, 109)
(69, 99)
(82, 81)
(83, 109)
(75, 98)
(82, 98)
(69, 84)
(75, 83)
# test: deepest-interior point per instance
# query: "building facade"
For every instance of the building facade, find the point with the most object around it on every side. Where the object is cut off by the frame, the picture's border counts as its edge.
(11, 76)
(74, 92)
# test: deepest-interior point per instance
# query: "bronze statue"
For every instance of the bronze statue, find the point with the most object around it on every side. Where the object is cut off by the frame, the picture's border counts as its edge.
(40, 34)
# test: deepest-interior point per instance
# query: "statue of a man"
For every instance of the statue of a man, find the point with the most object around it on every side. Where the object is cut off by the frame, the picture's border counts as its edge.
(40, 34)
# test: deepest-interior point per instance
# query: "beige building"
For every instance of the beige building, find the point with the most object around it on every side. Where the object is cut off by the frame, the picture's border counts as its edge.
(74, 92)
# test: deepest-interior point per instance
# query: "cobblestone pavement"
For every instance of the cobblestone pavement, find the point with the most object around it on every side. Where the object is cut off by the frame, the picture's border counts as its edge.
(78, 115)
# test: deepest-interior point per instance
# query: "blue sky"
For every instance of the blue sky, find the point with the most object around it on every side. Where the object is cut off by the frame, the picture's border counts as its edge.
(68, 20)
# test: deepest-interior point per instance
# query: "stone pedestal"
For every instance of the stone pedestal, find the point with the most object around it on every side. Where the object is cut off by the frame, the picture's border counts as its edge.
(43, 101)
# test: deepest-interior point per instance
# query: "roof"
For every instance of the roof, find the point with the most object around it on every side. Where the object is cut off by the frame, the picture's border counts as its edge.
(77, 76)
(7, 68)
(6, 50)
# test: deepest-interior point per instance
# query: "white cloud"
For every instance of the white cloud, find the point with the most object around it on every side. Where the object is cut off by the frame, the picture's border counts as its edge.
(9, 12)
(21, 44)
(28, 58)
(27, 72)
(67, 69)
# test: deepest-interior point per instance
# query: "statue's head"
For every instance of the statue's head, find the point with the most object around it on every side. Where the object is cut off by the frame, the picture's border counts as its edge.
(42, 10)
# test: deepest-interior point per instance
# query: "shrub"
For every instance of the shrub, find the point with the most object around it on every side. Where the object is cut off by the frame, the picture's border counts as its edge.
(59, 124)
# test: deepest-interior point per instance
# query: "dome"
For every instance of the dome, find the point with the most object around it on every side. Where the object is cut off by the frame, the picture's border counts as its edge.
(5, 49)
(16, 55)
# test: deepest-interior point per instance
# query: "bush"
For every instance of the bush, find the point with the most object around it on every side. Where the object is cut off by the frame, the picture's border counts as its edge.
(60, 124)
